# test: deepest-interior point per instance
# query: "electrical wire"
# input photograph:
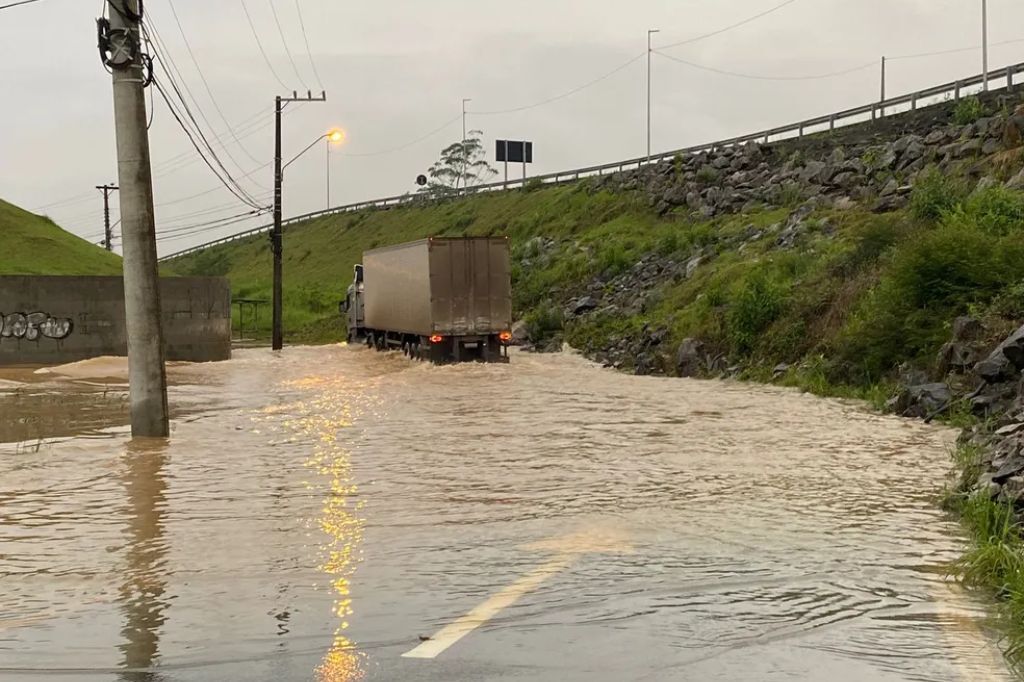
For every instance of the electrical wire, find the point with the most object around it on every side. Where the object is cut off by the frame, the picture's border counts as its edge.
(287, 50)
(309, 52)
(564, 94)
(206, 84)
(951, 51)
(15, 4)
(411, 143)
(227, 181)
(748, 76)
(232, 184)
(175, 76)
(744, 22)
(259, 43)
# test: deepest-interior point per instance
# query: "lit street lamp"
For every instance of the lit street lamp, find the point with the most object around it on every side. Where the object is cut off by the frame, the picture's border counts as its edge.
(336, 136)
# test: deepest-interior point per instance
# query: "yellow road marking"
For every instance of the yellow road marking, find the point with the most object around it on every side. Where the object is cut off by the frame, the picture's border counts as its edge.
(489, 609)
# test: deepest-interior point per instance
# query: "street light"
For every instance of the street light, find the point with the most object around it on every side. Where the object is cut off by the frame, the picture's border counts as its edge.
(984, 42)
(650, 49)
(337, 136)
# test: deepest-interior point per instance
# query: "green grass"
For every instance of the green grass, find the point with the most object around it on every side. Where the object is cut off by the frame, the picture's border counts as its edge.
(35, 245)
(995, 561)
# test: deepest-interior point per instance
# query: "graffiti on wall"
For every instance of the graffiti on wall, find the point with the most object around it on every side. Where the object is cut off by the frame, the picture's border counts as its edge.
(34, 326)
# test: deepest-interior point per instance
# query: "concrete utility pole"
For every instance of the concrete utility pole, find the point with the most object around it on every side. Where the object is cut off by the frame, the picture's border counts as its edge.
(882, 100)
(650, 51)
(984, 41)
(146, 372)
(108, 235)
(464, 159)
(277, 236)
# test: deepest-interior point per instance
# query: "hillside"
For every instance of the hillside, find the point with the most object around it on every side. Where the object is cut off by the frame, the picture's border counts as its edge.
(856, 249)
(35, 245)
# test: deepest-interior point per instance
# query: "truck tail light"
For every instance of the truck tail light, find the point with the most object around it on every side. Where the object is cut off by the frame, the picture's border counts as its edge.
(436, 338)
(505, 336)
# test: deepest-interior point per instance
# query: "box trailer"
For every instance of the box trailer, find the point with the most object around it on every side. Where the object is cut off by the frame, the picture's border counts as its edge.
(439, 299)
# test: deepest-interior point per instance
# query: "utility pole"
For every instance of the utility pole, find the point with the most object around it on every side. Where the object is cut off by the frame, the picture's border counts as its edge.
(650, 50)
(277, 235)
(883, 86)
(984, 42)
(147, 375)
(464, 159)
(108, 236)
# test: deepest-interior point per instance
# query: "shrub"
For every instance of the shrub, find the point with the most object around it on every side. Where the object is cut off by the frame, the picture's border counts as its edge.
(996, 210)
(755, 306)
(968, 110)
(707, 175)
(544, 322)
(668, 243)
(932, 278)
(533, 185)
(935, 194)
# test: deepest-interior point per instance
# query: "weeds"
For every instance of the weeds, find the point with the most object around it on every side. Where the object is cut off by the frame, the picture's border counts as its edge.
(968, 110)
(934, 195)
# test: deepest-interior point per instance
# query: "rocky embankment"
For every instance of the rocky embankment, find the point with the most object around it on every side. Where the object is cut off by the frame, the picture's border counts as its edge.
(875, 168)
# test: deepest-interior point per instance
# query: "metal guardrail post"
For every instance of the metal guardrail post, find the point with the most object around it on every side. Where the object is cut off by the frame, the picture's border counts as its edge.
(832, 122)
(1009, 78)
(801, 133)
(873, 112)
(913, 102)
(958, 91)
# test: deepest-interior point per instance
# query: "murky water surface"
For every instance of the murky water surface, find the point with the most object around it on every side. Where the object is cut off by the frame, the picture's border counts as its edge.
(319, 512)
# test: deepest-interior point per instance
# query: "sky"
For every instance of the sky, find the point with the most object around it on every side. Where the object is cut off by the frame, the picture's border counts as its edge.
(397, 71)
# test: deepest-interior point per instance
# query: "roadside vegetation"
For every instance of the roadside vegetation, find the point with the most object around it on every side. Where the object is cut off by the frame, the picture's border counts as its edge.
(35, 245)
(995, 561)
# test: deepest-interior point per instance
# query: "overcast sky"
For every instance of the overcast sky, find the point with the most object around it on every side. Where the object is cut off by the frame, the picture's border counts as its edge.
(395, 71)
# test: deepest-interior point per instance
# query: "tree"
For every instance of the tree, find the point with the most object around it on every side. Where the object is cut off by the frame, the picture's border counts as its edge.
(462, 164)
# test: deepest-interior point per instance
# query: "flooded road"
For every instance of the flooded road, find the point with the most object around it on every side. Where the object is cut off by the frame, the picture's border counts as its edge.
(333, 514)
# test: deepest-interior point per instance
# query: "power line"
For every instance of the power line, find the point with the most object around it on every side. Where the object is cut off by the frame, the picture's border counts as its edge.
(174, 75)
(309, 52)
(287, 50)
(15, 4)
(206, 84)
(259, 43)
(564, 94)
(744, 22)
(230, 183)
(748, 76)
(952, 51)
(411, 143)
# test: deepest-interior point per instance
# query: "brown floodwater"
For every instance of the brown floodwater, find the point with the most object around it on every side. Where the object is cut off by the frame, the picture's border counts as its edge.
(321, 512)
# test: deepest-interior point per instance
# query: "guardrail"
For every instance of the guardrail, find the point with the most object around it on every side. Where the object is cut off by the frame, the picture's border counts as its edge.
(953, 90)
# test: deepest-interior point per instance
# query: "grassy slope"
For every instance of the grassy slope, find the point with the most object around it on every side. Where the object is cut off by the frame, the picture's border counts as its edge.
(34, 245)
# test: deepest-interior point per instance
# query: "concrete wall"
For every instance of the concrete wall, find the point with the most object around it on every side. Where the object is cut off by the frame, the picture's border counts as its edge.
(54, 320)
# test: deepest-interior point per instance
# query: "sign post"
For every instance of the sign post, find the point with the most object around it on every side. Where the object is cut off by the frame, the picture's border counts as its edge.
(516, 151)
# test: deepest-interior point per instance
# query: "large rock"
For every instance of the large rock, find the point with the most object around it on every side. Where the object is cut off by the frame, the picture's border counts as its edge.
(920, 401)
(1006, 361)
(1017, 181)
(585, 305)
(520, 333)
(690, 358)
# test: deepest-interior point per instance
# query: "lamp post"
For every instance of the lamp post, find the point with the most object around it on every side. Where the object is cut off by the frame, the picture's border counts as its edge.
(650, 49)
(984, 42)
(336, 136)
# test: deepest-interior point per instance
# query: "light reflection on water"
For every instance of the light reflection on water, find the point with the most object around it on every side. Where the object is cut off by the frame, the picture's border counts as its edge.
(324, 419)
